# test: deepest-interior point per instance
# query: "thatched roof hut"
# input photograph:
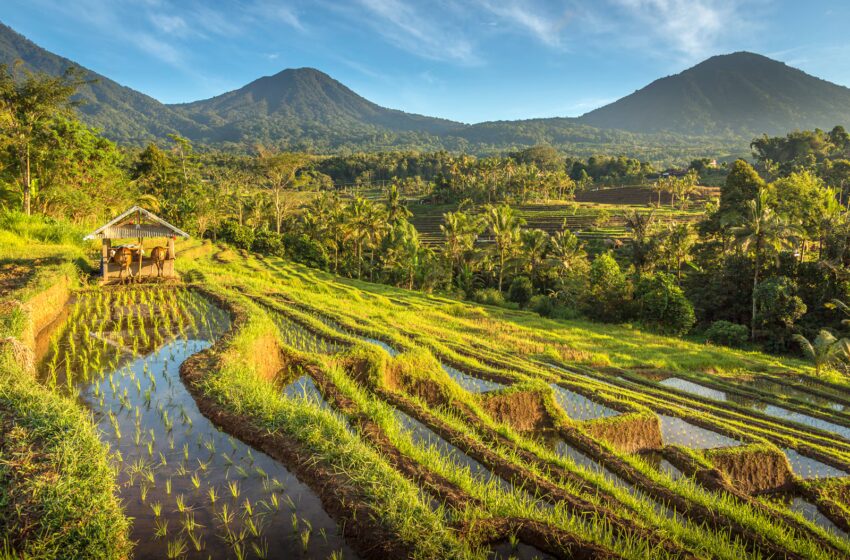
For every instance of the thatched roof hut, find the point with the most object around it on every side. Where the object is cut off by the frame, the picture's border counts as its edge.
(136, 224)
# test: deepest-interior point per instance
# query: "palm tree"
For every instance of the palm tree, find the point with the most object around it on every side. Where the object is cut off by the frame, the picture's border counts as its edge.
(357, 228)
(505, 228)
(763, 232)
(396, 210)
(405, 252)
(685, 186)
(565, 250)
(822, 351)
(640, 224)
(535, 243)
(460, 231)
(378, 225)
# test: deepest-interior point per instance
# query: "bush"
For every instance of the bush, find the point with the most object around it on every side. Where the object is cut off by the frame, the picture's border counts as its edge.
(241, 237)
(302, 248)
(778, 307)
(661, 305)
(726, 333)
(543, 305)
(608, 296)
(489, 296)
(521, 290)
(267, 242)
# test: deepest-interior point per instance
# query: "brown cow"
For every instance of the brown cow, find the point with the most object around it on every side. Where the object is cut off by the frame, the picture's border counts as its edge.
(123, 257)
(159, 256)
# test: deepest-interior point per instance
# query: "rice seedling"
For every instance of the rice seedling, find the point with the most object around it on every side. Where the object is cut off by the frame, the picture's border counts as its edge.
(177, 548)
(160, 528)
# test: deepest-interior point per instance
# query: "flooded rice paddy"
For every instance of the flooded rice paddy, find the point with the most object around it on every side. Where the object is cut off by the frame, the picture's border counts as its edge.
(470, 383)
(191, 490)
(579, 407)
(676, 431)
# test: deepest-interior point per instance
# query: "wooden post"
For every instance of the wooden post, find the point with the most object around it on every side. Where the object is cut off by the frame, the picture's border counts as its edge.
(171, 248)
(139, 275)
(105, 248)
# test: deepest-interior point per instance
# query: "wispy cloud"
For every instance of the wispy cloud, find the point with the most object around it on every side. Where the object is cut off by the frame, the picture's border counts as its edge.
(407, 26)
(690, 29)
(544, 24)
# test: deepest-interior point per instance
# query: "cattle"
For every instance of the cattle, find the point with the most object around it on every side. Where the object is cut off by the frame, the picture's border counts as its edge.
(159, 255)
(124, 256)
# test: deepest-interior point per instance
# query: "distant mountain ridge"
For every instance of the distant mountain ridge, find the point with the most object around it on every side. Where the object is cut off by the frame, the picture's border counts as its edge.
(301, 98)
(714, 107)
(124, 114)
(739, 93)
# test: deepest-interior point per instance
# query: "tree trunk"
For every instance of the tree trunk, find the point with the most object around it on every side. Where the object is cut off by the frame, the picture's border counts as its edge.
(755, 284)
(501, 268)
(27, 185)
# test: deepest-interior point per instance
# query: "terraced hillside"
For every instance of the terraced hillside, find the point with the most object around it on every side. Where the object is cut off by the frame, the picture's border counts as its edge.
(589, 220)
(261, 408)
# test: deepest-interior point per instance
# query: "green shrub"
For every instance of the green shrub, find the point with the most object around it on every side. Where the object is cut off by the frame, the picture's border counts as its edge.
(608, 296)
(267, 242)
(542, 305)
(521, 290)
(726, 333)
(661, 305)
(489, 296)
(241, 237)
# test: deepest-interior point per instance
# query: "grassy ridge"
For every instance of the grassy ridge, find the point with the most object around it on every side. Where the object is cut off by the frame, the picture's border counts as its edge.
(57, 486)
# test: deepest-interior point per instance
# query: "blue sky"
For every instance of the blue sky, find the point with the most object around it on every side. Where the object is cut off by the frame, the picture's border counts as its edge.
(468, 60)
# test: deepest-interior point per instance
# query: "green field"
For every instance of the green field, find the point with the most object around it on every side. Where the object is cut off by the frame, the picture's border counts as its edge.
(260, 408)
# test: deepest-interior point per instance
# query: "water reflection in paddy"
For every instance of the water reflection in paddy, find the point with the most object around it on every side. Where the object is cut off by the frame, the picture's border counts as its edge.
(470, 383)
(189, 486)
(579, 407)
(676, 431)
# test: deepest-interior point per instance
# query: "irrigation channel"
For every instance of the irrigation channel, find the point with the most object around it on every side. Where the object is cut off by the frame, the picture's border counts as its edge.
(191, 490)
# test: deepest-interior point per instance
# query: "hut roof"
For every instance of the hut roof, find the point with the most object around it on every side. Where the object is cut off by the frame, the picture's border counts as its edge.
(135, 223)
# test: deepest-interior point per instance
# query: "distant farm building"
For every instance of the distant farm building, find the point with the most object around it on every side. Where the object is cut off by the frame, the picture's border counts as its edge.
(129, 259)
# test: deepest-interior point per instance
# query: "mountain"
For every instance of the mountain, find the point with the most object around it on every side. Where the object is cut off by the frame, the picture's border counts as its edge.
(739, 94)
(123, 114)
(298, 101)
(714, 108)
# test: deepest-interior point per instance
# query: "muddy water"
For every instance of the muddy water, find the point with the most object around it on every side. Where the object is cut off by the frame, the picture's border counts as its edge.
(470, 383)
(676, 431)
(806, 467)
(173, 457)
(785, 391)
(693, 388)
(810, 511)
(423, 436)
(579, 407)
(504, 550)
(806, 420)
(43, 338)
(659, 463)
(304, 387)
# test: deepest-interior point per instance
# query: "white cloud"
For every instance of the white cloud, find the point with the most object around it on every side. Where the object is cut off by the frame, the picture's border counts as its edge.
(429, 34)
(158, 48)
(529, 17)
(690, 28)
(168, 23)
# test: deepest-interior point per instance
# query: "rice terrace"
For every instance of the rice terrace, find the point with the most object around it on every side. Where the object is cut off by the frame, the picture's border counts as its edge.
(286, 322)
